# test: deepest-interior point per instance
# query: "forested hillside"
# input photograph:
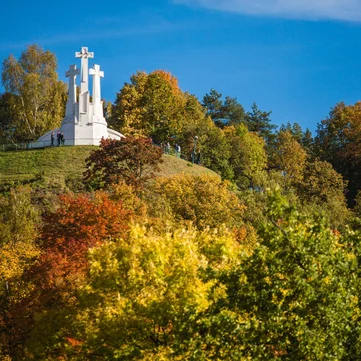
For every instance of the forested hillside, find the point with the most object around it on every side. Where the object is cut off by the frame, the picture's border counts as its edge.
(122, 252)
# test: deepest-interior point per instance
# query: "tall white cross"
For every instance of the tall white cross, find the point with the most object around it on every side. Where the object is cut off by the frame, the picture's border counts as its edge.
(71, 74)
(84, 55)
(97, 74)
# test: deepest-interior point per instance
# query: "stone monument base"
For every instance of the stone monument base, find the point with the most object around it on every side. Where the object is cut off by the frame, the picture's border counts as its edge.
(85, 135)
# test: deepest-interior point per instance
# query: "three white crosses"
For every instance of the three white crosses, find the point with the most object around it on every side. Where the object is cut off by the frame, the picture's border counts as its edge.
(84, 91)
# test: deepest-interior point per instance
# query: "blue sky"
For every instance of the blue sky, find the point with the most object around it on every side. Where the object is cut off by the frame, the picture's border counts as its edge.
(296, 58)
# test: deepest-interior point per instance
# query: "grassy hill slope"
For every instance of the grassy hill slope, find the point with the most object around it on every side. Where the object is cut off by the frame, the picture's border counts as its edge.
(56, 167)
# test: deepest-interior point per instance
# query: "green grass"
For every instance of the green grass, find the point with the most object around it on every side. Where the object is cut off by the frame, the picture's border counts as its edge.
(172, 165)
(50, 166)
(55, 167)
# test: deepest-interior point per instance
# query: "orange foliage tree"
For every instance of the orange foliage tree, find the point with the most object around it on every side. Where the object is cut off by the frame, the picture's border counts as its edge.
(82, 222)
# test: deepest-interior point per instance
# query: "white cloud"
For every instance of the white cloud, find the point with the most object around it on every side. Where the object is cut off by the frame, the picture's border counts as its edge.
(349, 10)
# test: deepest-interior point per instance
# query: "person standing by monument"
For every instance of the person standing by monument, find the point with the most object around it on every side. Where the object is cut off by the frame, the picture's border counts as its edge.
(177, 150)
(52, 139)
(198, 160)
(58, 137)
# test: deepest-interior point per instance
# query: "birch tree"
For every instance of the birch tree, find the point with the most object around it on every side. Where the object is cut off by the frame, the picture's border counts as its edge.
(39, 98)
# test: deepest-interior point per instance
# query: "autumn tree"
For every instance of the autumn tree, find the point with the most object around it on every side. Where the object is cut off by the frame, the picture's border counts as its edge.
(212, 142)
(19, 222)
(304, 138)
(194, 123)
(143, 295)
(290, 299)
(38, 96)
(295, 130)
(338, 142)
(206, 201)
(133, 160)
(80, 223)
(248, 157)
(315, 185)
(200, 295)
(150, 105)
(288, 157)
(216, 151)
(113, 289)
(324, 189)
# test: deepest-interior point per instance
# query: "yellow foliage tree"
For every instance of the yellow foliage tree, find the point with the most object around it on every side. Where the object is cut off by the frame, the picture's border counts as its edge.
(204, 200)
(248, 155)
(143, 292)
(151, 105)
(38, 101)
(289, 157)
(18, 251)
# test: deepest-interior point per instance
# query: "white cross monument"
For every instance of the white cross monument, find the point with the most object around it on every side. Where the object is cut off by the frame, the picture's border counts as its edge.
(84, 91)
(84, 122)
(71, 103)
(97, 103)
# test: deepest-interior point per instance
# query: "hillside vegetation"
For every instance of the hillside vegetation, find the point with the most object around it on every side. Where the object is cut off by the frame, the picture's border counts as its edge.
(57, 167)
(147, 260)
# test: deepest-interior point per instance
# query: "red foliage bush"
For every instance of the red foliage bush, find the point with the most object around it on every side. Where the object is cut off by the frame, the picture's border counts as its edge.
(82, 222)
